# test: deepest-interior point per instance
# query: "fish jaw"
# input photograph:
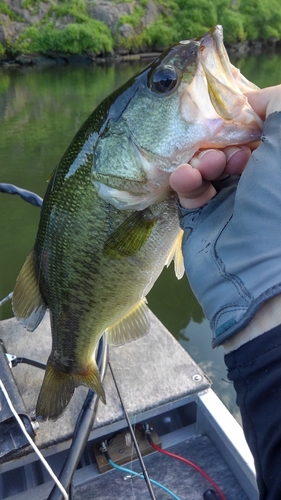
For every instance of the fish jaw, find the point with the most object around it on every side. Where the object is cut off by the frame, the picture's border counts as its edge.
(215, 95)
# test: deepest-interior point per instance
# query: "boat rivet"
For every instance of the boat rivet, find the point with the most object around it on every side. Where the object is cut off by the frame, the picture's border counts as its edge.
(197, 377)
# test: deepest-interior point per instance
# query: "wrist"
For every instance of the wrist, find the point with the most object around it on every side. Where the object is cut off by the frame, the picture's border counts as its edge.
(267, 317)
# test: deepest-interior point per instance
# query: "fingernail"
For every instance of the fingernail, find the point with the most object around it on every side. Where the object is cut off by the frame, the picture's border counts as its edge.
(232, 152)
(194, 162)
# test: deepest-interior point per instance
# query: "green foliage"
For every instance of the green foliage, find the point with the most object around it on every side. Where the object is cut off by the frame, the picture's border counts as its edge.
(32, 5)
(2, 50)
(233, 26)
(76, 8)
(195, 18)
(133, 19)
(241, 20)
(5, 9)
(178, 19)
(93, 36)
(262, 18)
(161, 33)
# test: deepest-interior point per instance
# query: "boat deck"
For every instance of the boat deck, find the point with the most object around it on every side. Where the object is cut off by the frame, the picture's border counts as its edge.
(160, 384)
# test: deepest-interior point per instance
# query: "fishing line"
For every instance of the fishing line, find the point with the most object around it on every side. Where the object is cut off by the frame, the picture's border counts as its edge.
(136, 474)
(37, 451)
(133, 422)
(145, 474)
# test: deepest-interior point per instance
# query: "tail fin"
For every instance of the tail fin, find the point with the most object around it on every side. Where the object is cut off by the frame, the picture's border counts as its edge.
(58, 388)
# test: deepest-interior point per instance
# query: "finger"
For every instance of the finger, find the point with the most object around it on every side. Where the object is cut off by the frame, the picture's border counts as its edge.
(236, 159)
(265, 101)
(211, 163)
(192, 189)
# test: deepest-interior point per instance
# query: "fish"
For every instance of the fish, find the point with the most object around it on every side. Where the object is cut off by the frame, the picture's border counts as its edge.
(109, 220)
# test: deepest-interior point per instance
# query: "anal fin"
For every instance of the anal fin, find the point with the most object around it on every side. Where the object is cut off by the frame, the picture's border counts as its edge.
(28, 304)
(132, 326)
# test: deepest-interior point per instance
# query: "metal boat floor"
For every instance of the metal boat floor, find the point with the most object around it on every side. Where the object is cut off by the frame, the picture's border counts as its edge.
(180, 478)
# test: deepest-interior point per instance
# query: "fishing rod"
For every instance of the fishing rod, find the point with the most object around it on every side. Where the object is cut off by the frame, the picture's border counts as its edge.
(144, 470)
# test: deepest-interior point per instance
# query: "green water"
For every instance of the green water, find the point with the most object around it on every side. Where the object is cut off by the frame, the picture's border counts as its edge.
(40, 111)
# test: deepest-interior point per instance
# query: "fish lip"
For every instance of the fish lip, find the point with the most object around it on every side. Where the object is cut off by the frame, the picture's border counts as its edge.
(213, 41)
(214, 35)
(226, 96)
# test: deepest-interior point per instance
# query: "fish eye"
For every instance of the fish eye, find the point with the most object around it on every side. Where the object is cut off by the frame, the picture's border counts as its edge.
(164, 79)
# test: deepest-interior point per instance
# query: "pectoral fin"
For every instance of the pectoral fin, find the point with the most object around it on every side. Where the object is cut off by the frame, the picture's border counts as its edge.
(176, 254)
(132, 326)
(130, 236)
(28, 304)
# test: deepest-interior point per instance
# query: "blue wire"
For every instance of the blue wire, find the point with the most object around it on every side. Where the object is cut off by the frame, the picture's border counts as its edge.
(28, 196)
(3, 301)
(133, 473)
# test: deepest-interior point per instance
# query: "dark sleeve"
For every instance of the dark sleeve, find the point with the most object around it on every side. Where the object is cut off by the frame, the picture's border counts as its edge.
(255, 369)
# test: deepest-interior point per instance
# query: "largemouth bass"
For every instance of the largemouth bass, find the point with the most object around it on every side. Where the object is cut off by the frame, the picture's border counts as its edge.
(109, 219)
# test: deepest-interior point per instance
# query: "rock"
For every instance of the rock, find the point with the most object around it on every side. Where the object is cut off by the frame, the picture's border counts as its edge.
(35, 60)
(24, 60)
(151, 14)
(30, 16)
(238, 49)
(62, 22)
(126, 30)
(9, 30)
(110, 13)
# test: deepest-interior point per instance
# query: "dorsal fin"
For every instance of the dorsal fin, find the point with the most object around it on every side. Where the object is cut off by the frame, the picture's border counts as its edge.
(28, 304)
(176, 254)
(132, 326)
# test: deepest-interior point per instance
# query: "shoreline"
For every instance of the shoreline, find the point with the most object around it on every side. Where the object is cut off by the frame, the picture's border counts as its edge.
(239, 49)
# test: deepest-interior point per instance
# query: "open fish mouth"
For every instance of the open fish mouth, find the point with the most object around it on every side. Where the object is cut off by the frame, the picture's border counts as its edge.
(225, 84)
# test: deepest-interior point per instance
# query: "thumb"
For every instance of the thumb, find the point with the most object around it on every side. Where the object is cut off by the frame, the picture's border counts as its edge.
(265, 101)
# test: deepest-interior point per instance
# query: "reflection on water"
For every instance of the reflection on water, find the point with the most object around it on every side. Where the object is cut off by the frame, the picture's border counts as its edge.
(40, 111)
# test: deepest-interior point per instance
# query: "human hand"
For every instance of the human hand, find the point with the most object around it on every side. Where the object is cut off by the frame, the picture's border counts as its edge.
(265, 101)
(192, 181)
(231, 245)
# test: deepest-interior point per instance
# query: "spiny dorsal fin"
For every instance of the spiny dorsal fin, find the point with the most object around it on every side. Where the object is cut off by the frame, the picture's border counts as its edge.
(130, 236)
(176, 254)
(28, 304)
(58, 387)
(132, 326)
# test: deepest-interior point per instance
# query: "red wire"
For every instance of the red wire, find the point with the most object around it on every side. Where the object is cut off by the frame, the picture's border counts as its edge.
(186, 461)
